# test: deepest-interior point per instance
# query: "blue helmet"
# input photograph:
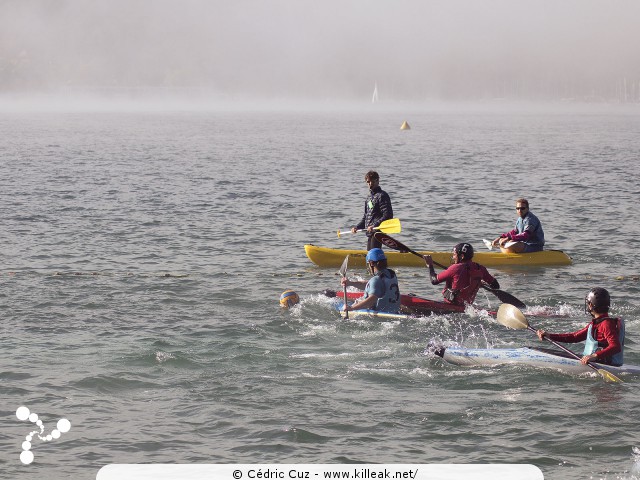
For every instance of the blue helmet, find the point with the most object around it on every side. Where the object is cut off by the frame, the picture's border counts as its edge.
(375, 255)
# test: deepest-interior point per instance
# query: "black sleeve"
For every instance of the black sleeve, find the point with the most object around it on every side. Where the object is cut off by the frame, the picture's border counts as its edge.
(386, 209)
(361, 224)
(434, 276)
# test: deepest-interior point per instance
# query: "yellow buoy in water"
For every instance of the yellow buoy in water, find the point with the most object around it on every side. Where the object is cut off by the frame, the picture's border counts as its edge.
(405, 126)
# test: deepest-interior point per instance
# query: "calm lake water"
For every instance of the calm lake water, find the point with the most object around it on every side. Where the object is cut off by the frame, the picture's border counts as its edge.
(144, 255)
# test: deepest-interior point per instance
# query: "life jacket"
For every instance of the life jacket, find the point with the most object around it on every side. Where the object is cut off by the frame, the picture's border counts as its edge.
(390, 302)
(591, 345)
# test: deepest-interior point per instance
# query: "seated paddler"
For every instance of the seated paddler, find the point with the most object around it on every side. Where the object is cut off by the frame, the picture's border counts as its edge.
(463, 278)
(603, 336)
(381, 292)
(527, 236)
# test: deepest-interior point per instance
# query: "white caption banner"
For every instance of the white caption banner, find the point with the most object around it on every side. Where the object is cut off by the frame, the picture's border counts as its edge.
(319, 472)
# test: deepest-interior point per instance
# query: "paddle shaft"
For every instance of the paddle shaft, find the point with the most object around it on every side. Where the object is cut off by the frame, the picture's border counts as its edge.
(346, 231)
(392, 226)
(562, 347)
(401, 247)
(434, 262)
(422, 256)
(344, 291)
(503, 296)
(343, 273)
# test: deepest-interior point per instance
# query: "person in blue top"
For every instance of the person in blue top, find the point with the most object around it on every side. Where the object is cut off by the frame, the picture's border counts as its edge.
(527, 234)
(381, 292)
(377, 209)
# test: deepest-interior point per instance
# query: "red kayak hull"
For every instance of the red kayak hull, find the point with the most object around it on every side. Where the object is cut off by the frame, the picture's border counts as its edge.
(412, 304)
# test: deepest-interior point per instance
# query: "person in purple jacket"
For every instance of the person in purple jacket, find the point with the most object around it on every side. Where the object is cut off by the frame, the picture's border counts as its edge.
(527, 234)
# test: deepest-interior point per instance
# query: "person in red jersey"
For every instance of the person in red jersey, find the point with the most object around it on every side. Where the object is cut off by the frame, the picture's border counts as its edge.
(603, 336)
(462, 279)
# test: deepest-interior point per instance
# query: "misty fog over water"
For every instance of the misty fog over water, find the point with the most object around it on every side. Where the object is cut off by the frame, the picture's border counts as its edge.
(414, 51)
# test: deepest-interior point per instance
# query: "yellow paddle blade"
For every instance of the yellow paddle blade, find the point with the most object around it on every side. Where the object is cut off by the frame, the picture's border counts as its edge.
(390, 226)
(608, 376)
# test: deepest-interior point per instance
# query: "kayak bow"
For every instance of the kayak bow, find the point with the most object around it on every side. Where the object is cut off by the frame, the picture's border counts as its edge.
(530, 356)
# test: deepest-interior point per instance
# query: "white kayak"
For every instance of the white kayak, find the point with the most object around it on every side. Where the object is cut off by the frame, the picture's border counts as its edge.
(373, 314)
(532, 356)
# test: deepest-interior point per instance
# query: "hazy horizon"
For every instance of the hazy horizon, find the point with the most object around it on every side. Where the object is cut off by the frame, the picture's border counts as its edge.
(421, 51)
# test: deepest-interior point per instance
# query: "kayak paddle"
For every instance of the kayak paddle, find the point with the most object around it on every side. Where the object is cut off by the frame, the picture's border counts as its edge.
(401, 247)
(511, 317)
(343, 274)
(396, 245)
(489, 244)
(503, 296)
(388, 226)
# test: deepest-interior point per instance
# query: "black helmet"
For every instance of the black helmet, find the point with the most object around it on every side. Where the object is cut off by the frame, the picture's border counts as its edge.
(599, 300)
(464, 250)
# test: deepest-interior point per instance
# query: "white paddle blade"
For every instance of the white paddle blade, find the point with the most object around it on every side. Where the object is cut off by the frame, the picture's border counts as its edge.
(343, 267)
(489, 244)
(511, 317)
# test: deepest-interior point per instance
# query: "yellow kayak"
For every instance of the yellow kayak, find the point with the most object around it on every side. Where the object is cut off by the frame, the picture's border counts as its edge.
(333, 257)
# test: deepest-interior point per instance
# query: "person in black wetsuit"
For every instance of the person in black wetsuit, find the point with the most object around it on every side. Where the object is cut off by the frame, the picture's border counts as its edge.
(377, 209)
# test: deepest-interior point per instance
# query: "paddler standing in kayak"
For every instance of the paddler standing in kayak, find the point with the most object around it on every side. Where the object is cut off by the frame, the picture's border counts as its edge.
(527, 234)
(603, 336)
(463, 278)
(377, 209)
(381, 292)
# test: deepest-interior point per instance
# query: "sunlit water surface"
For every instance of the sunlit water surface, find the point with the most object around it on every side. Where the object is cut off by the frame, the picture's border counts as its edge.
(144, 254)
